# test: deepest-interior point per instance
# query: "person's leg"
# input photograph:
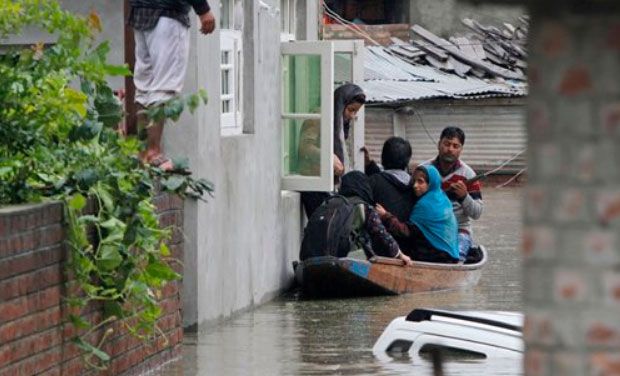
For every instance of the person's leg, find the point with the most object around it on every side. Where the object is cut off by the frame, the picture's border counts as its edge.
(168, 46)
(464, 245)
(142, 78)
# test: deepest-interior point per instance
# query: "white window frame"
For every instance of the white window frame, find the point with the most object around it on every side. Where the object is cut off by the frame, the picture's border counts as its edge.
(325, 180)
(231, 41)
(288, 20)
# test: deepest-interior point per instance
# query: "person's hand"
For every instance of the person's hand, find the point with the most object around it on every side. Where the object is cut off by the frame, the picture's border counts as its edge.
(338, 166)
(380, 210)
(406, 259)
(366, 155)
(207, 22)
(459, 188)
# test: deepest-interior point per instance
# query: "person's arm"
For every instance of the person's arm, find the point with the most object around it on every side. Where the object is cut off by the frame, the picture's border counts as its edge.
(379, 233)
(396, 227)
(338, 166)
(200, 6)
(470, 199)
(472, 207)
(207, 19)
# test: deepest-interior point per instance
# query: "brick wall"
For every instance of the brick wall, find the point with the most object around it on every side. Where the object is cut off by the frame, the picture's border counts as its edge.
(571, 240)
(34, 336)
(380, 33)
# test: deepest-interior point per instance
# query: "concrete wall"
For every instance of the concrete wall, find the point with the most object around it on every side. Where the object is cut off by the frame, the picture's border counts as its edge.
(571, 241)
(239, 245)
(443, 17)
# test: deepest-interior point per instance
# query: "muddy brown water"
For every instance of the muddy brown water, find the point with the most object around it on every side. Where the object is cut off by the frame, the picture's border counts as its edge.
(289, 336)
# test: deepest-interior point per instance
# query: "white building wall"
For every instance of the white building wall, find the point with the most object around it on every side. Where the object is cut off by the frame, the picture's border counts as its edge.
(239, 245)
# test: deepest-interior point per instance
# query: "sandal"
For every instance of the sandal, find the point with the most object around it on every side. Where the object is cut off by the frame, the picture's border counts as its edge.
(167, 165)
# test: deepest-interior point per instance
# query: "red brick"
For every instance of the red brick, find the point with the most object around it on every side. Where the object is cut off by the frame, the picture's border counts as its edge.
(569, 286)
(538, 329)
(33, 365)
(74, 366)
(605, 364)
(610, 118)
(170, 290)
(29, 346)
(554, 40)
(30, 324)
(30, 261)
(601, 333)
(536, 363)
(577, 80)
(27, 283)
(612, 41)
(29, 304)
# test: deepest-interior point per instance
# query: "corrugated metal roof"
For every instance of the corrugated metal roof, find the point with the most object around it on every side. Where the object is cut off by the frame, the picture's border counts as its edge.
(391, 79)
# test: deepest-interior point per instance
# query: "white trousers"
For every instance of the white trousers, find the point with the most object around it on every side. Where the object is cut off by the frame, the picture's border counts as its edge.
(161, 61)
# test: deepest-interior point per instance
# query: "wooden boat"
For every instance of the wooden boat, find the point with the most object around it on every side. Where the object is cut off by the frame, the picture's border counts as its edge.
(328, 276)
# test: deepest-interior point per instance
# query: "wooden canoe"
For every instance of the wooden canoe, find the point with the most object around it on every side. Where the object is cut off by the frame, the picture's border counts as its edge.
(329, 276)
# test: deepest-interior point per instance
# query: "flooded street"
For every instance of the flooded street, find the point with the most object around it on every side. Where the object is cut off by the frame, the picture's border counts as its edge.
(334, 337)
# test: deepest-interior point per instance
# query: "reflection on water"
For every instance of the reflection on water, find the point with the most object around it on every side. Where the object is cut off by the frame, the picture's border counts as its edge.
(290, 336)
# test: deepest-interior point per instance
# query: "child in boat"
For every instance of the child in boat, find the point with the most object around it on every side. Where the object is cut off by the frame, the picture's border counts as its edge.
(432, 225)
(355, 185)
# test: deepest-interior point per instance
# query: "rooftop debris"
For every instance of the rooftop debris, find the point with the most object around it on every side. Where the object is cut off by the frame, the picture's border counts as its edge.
(488, 62)
(486, 52)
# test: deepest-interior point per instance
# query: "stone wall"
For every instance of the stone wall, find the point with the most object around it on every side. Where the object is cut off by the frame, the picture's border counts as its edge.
(34, 333)
(571, 242)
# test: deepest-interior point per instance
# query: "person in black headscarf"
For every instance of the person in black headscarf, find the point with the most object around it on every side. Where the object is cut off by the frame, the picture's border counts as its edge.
(348, 100)
(355, 187)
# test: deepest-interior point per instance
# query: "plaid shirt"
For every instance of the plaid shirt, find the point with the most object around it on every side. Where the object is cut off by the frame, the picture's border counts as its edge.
(144, 19)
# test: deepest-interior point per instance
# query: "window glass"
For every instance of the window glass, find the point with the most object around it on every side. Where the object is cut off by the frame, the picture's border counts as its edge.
(343, 68)
(302, 86)
(302, 100)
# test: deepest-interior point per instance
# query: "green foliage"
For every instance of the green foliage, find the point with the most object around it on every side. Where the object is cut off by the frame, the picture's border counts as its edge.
(59, 142)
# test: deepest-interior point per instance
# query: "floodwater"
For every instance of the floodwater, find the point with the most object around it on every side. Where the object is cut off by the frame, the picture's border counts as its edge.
(290, 336)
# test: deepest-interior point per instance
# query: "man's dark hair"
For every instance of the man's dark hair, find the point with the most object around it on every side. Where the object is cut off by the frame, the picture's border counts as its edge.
(396, 153)
(453, 132)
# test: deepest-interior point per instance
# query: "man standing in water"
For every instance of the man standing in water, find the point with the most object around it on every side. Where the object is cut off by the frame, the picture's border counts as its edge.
(161, 31)
(466, 197)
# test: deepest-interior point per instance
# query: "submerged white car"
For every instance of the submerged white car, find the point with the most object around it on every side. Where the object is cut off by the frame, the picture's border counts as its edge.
(474, 335)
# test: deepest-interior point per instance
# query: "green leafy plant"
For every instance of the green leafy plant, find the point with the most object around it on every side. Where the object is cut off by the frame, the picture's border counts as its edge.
(57, 141)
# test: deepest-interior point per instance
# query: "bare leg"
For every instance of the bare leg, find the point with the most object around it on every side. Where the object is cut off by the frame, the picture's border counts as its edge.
(154, 134)
(154, 131)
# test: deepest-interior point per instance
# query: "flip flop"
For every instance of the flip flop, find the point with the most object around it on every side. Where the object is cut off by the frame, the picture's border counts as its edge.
(167, 165)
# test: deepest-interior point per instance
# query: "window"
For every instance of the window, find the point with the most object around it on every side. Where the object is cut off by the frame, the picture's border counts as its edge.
(308, 77)
(231, 66)
(307, 116)
(288, 20)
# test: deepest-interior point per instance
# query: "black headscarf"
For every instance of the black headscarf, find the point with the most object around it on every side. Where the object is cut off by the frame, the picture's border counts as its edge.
(356, 183)
(343, 96)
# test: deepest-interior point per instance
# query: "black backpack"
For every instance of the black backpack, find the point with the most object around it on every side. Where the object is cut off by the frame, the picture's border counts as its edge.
(334, 229)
